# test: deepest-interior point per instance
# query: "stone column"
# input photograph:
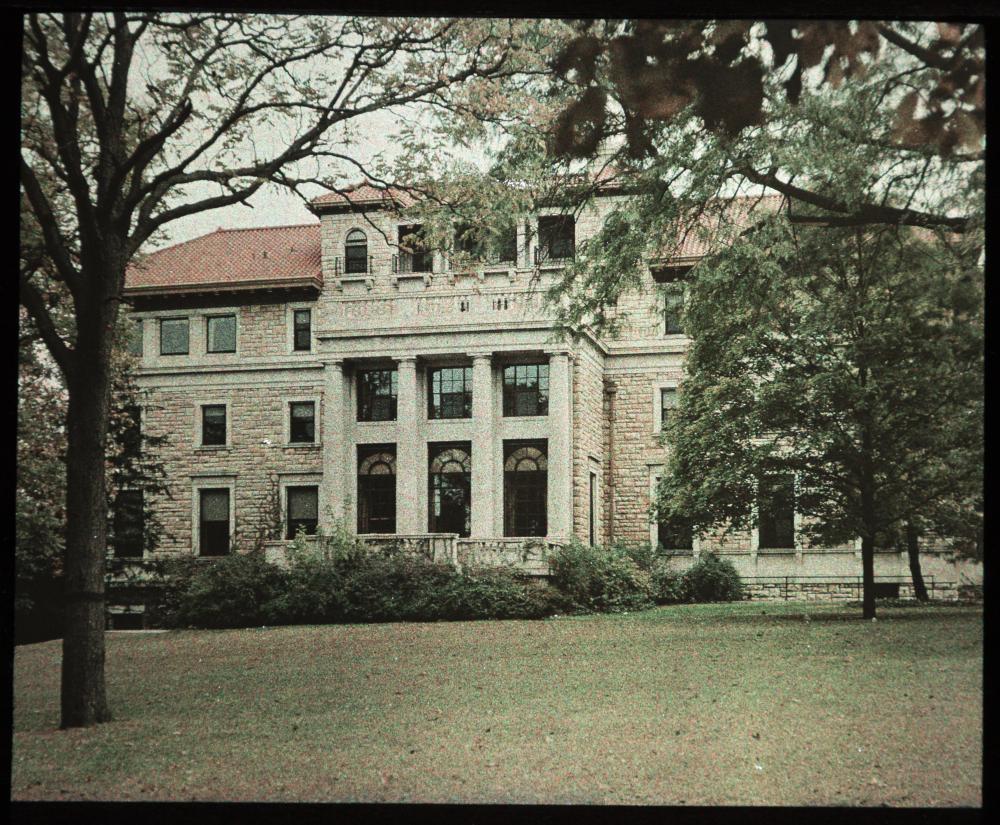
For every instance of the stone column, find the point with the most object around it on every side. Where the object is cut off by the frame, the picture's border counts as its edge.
(484, 452)
(560, 487)
(338, 475)
(411, 474)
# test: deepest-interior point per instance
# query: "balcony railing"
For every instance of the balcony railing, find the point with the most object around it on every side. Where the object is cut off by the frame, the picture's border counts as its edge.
(411, 262)
(354, 266)
(553, 256)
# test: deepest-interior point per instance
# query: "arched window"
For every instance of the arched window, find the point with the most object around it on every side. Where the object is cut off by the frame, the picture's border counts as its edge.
(449, 489)
(525, 477)
(356, 252)
(376, 489)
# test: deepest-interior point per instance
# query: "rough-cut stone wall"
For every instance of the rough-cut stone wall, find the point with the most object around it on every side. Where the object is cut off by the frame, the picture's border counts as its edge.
(636, 447)
(588, 390)
(264, 330)
(255, 414)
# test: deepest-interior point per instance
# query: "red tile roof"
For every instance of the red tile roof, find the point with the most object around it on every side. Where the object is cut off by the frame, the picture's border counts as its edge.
(364, 194)
(233, 258)
(742, 212)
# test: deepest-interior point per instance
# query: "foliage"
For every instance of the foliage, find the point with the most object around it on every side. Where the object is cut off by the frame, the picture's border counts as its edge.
(669, 585)
(347, 585)
(599, 578)
(711, 579)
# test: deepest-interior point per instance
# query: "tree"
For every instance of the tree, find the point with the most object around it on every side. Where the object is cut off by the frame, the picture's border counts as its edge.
(133, 120)
(849, 359)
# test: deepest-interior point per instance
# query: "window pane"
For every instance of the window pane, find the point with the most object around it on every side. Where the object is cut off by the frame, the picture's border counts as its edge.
(128, 524)
(213, 424)
(303, 422)
(525, 488)
(556, 236)
(451, 392)
(135, 338)
(776, 528)
(174, 336)
(668, 402)
(214, 526)
(377, 395)
(222, 333)
(215, 505)
(303, 329)
(303, 502)
(526, 390)
(673, 305)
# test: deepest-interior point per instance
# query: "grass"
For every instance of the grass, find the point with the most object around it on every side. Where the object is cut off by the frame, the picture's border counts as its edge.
(700, 704)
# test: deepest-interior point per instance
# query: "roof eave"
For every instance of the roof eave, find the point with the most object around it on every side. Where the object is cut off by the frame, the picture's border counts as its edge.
(314, 281)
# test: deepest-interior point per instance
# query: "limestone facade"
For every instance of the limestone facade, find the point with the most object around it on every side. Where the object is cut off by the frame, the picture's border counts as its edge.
(600, 433)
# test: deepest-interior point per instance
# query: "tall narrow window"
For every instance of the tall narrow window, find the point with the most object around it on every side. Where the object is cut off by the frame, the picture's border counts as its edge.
(449, 488)
(213, 425)
(376, 488)
(593, 508)
(355, 252)
(668, 403)
(302, 422)
(673, 306)
(213, 528)
(128, 524)
(506, 243)
(414, 256)
(526, 389)
(134, 343)
(130, 432)
(673, 537)
(221, 331)
(173, 336)
(556, 238)
(525, 488)
(302, 329)
(303, 511)
(451, 392)
(377, 391)
(776, 502)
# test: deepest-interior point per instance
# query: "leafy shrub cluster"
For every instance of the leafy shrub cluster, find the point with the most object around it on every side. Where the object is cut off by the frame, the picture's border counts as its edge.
(352, 586)
(632, 577)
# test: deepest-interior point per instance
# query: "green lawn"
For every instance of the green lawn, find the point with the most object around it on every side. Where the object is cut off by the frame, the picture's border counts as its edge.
(701, 704)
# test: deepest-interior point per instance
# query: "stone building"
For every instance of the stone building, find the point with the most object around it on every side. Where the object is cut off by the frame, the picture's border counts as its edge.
(338, 370)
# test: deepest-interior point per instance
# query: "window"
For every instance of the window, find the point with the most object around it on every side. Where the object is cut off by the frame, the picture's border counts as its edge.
(506, 241)
(413, 253)
(376, 488)
(173, 336)
(668, 403)
(221, 331)
(776, 503)
(213, 524)
(134, 343)
(673, 306)
(525, 487)
(593, 508)
(303, 511)
(302, 422)
(526, 389)
(449, 488)
(302, 330)
(128, 524)
(556, 237)
(451, 392)
(356, 252)
(670, 535)
(377, 390)
(213, 425)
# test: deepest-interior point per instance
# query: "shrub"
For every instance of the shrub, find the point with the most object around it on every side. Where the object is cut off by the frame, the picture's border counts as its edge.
(602, 579)
(711, 579)
(228, 592)
(669, 586)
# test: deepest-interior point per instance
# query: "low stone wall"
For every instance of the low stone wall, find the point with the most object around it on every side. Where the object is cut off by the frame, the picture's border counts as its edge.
(527, 555)
(835, 591)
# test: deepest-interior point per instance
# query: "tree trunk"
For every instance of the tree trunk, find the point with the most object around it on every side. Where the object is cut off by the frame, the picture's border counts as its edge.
(868, 576)
(83, 696)
(913, 550)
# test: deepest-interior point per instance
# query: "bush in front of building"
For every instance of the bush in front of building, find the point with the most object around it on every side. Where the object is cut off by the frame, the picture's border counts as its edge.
(602, 579)
(711, 579)
(669, 586)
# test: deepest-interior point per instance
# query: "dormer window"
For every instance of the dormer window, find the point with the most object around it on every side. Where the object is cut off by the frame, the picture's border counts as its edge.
(356, 252)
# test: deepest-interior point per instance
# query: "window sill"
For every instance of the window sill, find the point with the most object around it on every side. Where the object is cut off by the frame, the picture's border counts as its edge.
(300, 445)
(376, 423)
(212, 448)
(434, 421)
(525, 417)
(777, 551)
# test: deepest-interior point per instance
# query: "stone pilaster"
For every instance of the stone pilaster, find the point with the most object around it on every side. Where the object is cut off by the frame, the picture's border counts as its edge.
(411, 472)
(484, 452)
(338, 472)
(560, 483)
